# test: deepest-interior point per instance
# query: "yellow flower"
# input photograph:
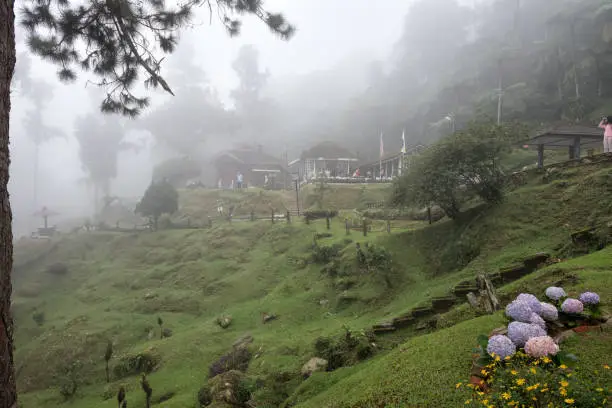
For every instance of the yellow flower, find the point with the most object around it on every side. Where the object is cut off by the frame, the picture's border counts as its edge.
(513, 372)
(563, 366)
(599, 389)
(569, 400)
(507, 358)
(468, 402)
(563, 391)
(563, 383)
(532, 370)
(485, 402)
(497, 358)
(458, 385)
(506, 396)
(544, 390)
(484, 372)
(546, 360)
(520, 381)
(607, 367)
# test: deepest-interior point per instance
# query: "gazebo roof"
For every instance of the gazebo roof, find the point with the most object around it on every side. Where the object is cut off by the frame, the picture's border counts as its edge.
(563, 137)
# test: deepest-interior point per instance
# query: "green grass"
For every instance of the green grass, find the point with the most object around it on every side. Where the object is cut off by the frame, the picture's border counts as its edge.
(118, 284)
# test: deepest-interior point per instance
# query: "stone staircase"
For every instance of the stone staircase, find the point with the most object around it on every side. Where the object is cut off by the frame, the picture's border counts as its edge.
(426, 317)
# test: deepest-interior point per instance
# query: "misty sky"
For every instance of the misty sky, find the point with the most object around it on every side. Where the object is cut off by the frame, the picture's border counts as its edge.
(329, 31)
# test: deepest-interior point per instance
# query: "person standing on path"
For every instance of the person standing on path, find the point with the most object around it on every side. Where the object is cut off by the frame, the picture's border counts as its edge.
(606, 125)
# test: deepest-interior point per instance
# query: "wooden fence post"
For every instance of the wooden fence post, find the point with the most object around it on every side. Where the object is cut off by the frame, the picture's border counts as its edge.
(365, 228)
(272, 216)
(288, 217)
(346, 225)
(388, 226)
(327, 221)
(252, 215)
(209, 222)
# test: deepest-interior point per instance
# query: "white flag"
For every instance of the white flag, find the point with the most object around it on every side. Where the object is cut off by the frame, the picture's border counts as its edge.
(403, 141)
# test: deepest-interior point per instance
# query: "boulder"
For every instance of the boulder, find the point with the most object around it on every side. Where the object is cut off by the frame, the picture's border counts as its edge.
(224, 321)
(314, 365)
(243, 342)
(228, 388)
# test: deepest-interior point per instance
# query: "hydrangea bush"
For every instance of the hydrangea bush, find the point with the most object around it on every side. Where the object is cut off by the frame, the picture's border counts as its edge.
(526, 367)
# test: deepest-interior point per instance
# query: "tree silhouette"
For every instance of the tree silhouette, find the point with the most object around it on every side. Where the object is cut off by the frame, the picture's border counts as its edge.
(160, 198)
(111, 39)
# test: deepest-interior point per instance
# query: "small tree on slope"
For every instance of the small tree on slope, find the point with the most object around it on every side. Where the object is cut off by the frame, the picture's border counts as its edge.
(160, 198)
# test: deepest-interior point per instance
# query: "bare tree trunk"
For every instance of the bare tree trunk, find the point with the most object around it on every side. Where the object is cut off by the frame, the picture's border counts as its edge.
(8, 390)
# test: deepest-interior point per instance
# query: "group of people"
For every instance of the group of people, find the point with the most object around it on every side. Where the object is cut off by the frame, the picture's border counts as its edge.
(237, 183)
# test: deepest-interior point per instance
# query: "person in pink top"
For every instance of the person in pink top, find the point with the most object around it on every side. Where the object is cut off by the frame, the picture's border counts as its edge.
(606, 125)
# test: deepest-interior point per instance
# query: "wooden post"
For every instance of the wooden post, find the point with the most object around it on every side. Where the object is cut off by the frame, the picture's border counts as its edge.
(540, 156)
(272, 216)
(252, 215)
(209, 222)
(577, 147)
(429, 215)
(388, 226)
(365, 228)
(346, 225)
(288, 217)
(327, 221)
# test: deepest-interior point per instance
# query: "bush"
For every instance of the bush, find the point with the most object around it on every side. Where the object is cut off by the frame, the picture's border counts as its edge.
(204, 397)
(39, 317)
(145, 362)
(319, 214)
(57, 268)
(68, 378)
(323, 254)
(528, 381)
(346, 349)
(237, 359)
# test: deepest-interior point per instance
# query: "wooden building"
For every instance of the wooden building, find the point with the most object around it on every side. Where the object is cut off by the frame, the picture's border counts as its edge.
(258, 169)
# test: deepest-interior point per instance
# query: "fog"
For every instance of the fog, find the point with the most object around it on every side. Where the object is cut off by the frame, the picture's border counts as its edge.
(351, 71)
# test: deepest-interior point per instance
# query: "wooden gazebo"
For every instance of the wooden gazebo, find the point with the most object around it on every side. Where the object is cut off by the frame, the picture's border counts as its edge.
(572, 138)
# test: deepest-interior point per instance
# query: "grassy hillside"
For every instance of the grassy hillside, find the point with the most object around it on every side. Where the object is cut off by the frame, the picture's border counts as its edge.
(115, 286)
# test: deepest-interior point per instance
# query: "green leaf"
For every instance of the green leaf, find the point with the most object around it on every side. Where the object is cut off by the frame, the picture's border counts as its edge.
(483, 341)
(484, 360)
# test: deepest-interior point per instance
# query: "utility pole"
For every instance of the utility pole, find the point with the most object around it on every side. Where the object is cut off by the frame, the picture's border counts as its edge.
(500, 93)
(297, 196)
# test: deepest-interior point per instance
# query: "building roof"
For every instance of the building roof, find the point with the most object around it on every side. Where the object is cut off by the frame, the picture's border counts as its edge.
(564, 136)
(250, 157)
(327, 150)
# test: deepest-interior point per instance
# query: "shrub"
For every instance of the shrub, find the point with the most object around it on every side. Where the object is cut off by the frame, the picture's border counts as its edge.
(57, 268)
(237, 359)
(521, 380)
(323, 254)
(68, 378)
(204, 397)
(319, 214)
(39, 317)
(346, 349)
(143, 362)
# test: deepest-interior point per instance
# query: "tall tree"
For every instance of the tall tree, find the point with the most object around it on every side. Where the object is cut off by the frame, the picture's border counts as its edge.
(112, 40)
(251, 78)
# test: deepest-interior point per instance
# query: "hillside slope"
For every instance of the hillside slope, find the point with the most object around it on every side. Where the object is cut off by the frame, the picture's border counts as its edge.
(114, 286)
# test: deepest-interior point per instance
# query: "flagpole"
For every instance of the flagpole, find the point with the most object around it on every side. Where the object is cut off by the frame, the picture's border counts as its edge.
(380, 157)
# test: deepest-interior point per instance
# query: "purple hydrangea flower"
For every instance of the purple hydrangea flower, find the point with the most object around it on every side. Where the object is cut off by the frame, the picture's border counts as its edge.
(501, 346)
(589, 298)
(573, 306)
(519, 310)
(520, 332)
(538, 321)
(549, 312)
(531, 300)
(555, 293)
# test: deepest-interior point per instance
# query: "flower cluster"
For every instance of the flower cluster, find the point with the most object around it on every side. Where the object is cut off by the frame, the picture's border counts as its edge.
(589, 298)
(531, 300)
(520, 332)
(501, 346)
(524, 381)
(549, 312)
(555, 293)
(541, 346)
(572, 306)
(519, 310)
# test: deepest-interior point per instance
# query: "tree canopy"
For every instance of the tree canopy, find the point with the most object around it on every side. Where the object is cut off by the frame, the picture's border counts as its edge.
(460, 167)
(111, 39)
(160, 198)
